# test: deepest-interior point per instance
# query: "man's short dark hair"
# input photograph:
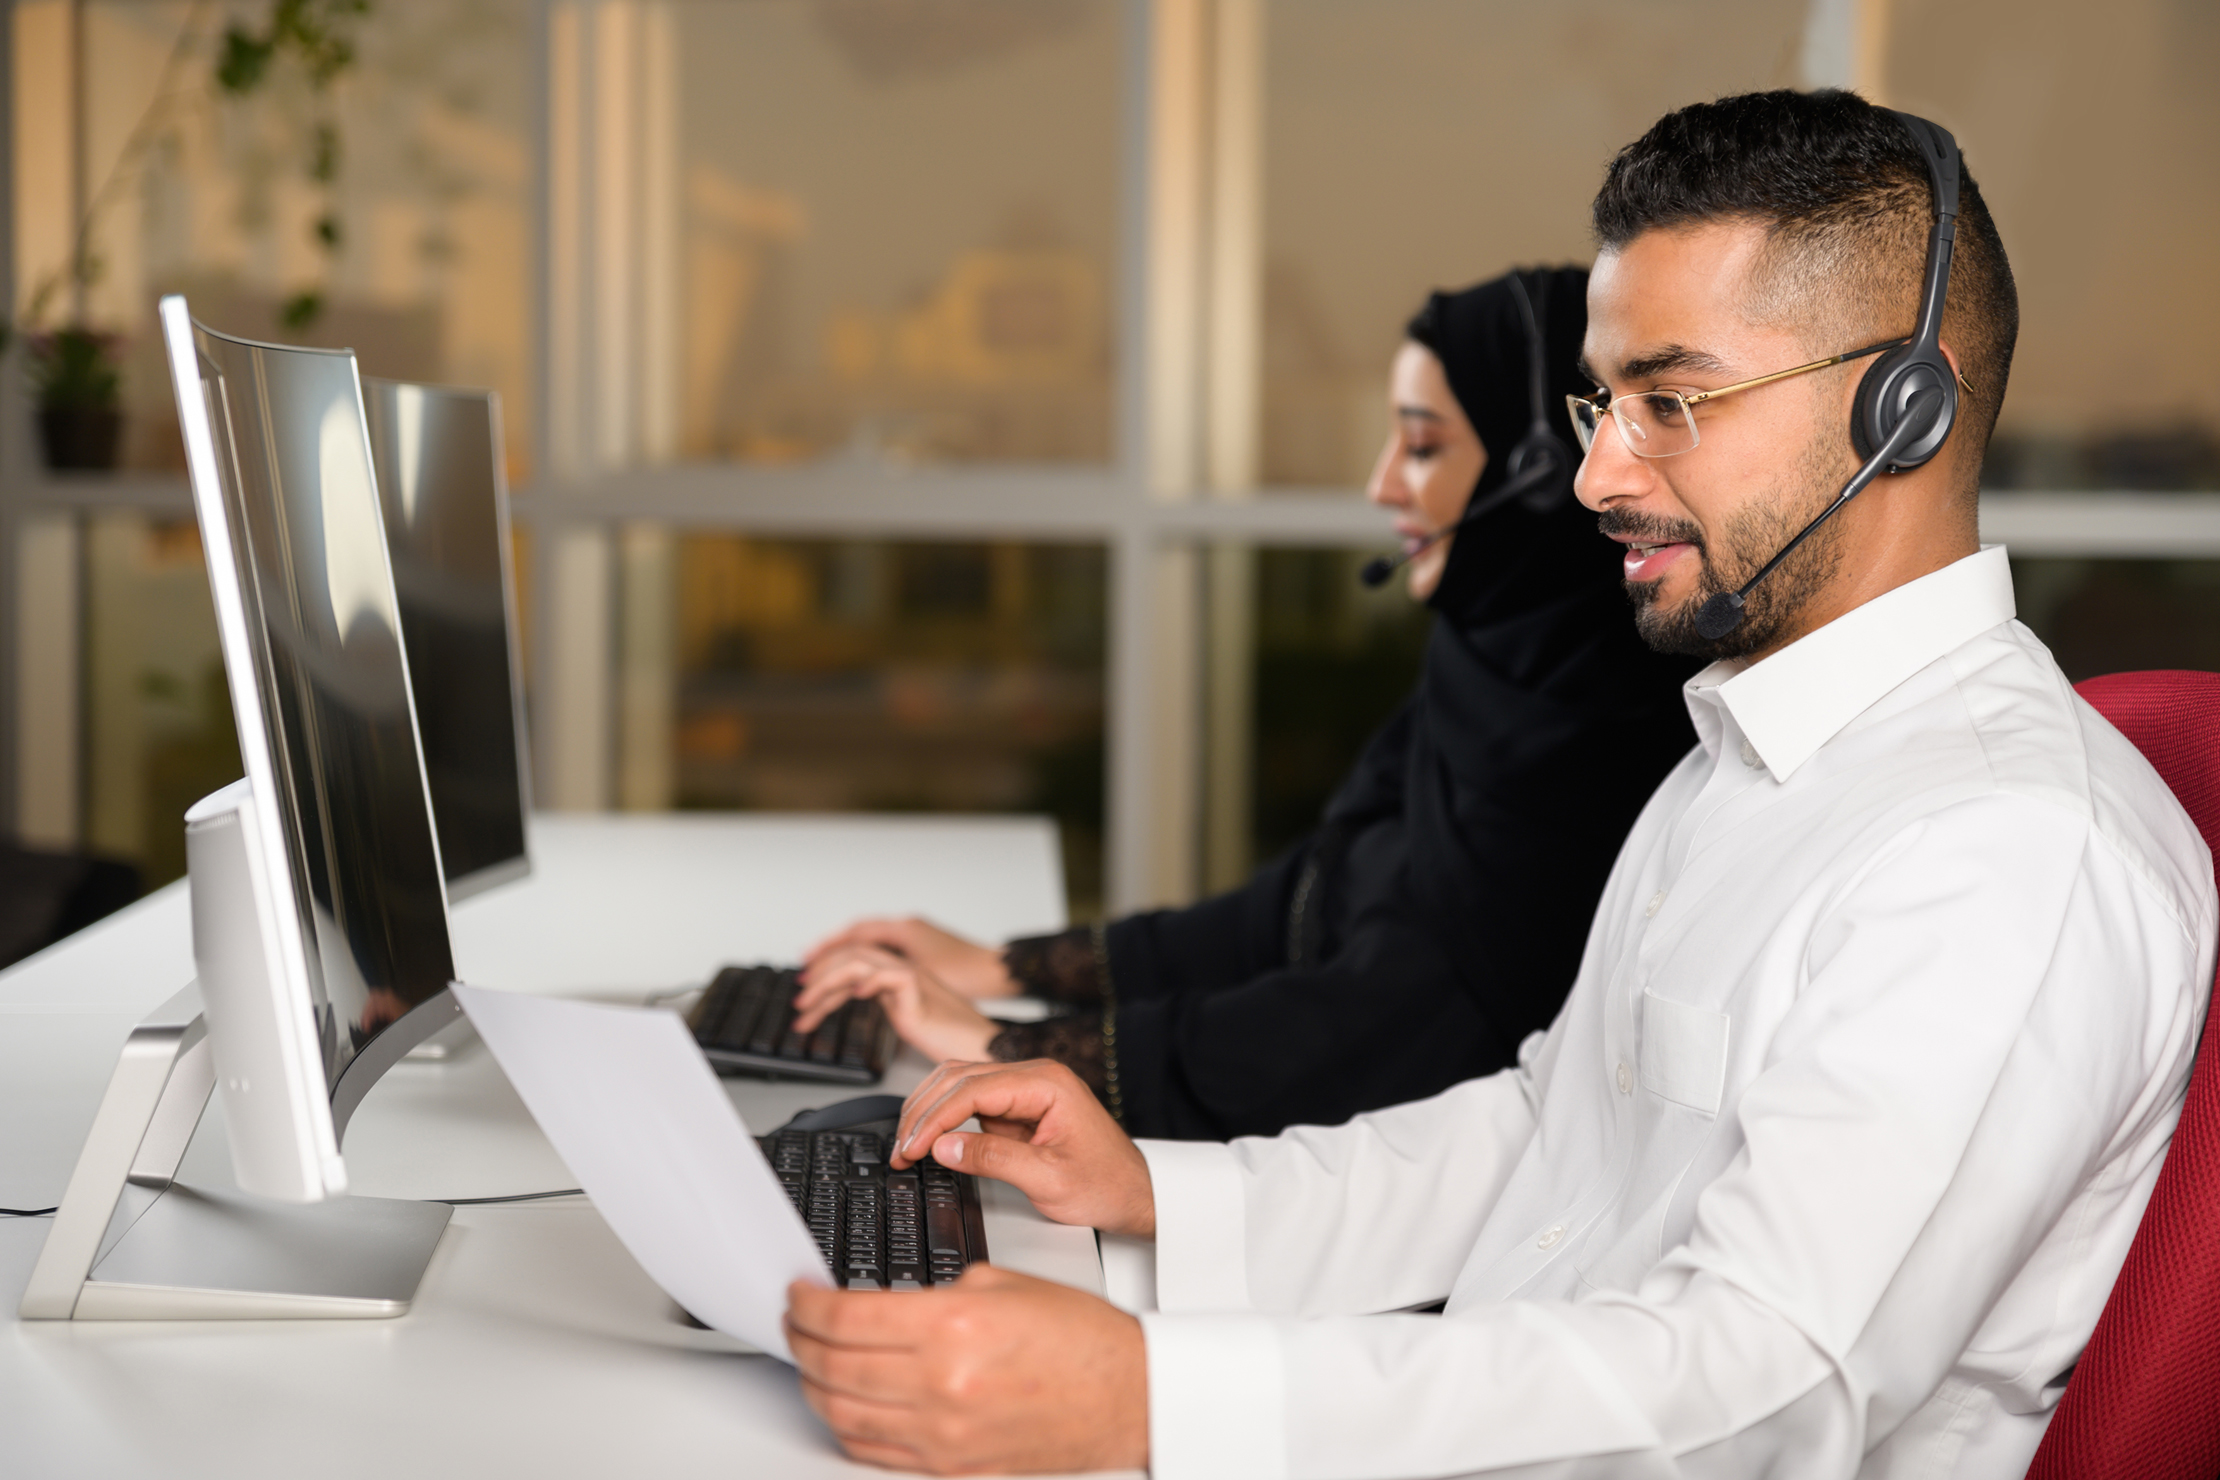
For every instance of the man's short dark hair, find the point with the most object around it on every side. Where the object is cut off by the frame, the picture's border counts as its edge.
(1845, 198)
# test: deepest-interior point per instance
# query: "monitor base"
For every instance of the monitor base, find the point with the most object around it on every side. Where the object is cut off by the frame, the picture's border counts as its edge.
(199, 1254)
(130, 1243)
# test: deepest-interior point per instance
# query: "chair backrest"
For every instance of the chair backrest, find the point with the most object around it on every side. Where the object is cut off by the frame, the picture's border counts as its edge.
(2144, 1401)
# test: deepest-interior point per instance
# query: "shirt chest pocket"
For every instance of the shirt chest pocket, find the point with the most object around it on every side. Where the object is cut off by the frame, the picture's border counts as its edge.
(1684, 1053)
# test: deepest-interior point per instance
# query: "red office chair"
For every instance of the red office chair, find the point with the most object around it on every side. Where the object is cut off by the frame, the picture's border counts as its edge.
(2144, 1402)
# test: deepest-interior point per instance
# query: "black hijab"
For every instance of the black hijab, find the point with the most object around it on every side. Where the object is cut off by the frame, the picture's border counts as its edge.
(1542, 722)
(1479, 336)
(1437, 915)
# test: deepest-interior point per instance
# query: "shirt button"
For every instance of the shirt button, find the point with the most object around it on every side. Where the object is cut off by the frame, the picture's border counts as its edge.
(1626, 1080)
(1549, 1239)
(1750, 756)
(1657, 902)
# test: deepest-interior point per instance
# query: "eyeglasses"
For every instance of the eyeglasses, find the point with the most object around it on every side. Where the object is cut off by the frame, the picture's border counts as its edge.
(1663, 424)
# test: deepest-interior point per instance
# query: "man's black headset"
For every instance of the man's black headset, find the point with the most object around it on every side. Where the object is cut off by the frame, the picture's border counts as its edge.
(1540, 467)
(1908, 400)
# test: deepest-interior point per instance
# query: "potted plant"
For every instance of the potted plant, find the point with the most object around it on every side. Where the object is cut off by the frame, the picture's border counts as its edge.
(80, 397)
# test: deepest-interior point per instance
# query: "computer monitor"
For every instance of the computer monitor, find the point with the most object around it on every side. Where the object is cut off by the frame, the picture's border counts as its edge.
(437, 451)
(320, 919)
(320, 942)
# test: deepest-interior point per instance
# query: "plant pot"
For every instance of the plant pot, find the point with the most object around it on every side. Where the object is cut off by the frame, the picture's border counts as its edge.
(79, 438)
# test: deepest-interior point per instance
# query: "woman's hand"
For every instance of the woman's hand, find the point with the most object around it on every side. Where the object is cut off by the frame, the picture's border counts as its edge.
(927, 1015)
(970, 969)
(1044, 1133)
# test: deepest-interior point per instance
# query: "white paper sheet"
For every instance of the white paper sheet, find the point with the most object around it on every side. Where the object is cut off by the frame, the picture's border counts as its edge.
(637, 1115)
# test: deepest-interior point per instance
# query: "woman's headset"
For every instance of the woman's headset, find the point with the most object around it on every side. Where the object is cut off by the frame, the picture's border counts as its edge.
(1540, 467)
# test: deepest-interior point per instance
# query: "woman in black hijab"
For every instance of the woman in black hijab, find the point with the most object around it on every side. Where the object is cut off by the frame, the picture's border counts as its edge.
(1436, 916)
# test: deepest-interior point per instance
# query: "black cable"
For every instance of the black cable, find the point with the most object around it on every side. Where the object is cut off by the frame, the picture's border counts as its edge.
(24, 1212)
(465, 1202)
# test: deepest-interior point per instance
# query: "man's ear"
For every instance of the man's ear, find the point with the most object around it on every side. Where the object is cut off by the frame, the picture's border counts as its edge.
(1960, 444)
(1955, 368)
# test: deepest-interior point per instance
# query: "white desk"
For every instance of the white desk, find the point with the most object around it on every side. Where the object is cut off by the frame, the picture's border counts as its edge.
(536, 1346)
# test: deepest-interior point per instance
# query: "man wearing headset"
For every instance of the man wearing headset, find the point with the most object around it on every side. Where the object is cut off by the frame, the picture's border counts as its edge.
(1829, 1161)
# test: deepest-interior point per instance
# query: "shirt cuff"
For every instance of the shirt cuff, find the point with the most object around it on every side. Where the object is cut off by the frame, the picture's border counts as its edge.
(1202, 1255)
(1217, 1398)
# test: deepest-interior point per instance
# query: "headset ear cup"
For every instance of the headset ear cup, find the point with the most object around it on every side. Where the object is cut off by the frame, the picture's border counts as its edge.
(1864, 406)
(1540, 451)
(1886, 389)
(1546, 497)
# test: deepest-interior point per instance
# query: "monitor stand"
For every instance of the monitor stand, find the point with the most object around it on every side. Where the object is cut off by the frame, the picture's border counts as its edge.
(131, 1243)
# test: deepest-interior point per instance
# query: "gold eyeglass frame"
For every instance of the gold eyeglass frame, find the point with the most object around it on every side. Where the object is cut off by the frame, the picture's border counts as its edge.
(1586, 438)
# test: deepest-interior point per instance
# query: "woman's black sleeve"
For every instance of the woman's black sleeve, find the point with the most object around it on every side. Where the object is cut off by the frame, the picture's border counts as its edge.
(1387, 1019)
(1065, 967)
(1158, 954)
(1074, 1039)
(1223, 939)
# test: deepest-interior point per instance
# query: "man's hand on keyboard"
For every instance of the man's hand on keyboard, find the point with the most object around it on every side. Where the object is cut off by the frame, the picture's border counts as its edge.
(1045, 1134)
(970, 969)
(924, 1011)
(998, 1372)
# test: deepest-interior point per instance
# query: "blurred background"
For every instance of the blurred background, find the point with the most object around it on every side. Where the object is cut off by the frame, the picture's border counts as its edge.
(962, 405)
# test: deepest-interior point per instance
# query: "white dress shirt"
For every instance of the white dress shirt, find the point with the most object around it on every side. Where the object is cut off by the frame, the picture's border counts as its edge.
(1829, 1161)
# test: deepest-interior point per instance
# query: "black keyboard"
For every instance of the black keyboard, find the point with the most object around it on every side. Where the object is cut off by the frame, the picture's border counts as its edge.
(744, 1022)
(879, 1230)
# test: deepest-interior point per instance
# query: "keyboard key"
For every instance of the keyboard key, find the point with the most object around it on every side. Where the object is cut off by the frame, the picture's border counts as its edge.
(740, 1024)
(763, 1037)
(715, 1013)
(944, 1227)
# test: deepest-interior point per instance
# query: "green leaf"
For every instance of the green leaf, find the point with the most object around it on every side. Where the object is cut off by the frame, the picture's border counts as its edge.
(302, 309)
(244, 61)
(75, 368)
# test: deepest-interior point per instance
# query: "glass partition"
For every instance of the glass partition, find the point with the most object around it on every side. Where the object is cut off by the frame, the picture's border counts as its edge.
(802, 244)
(900, 223)
(391, 213)
(1420, 144)
(1333, 660)
(2095, 132)
(2116, 616)
(157, 709)
(863, 675)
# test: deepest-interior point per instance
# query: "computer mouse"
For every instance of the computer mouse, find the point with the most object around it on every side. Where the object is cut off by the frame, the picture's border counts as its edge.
(858, 1111)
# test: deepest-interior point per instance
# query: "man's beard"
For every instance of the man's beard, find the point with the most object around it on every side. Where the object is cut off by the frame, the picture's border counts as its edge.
(1736, 553)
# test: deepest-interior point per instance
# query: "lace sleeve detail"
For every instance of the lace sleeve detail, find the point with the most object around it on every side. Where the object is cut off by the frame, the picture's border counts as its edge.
(1063, 968)
(1075, 1040)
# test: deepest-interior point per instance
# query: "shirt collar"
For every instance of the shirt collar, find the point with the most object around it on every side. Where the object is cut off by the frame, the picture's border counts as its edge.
(1790, 704)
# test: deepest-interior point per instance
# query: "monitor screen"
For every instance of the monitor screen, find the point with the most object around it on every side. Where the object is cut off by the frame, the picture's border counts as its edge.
(437, 454)
(326, 726)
